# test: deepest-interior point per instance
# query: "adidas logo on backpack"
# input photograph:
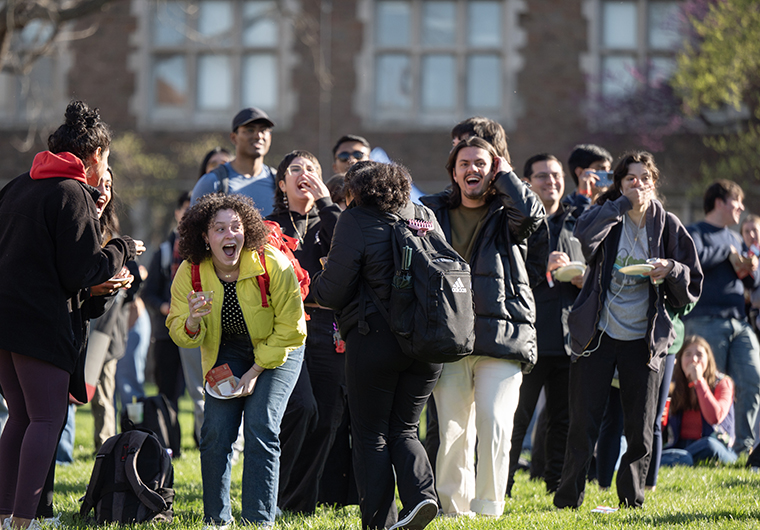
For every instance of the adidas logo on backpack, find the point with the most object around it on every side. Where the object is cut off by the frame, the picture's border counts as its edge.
(458, 286)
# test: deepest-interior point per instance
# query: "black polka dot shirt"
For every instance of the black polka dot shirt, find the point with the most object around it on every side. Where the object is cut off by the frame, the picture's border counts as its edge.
(232, 315)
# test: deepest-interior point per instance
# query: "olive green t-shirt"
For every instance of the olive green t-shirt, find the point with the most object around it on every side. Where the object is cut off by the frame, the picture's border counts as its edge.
(465, 225)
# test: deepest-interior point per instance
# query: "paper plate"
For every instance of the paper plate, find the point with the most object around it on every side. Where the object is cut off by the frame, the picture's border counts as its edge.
(569, 271)
(213, 393)
(638, 269)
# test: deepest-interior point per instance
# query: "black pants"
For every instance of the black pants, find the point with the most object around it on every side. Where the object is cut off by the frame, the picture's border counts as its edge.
(170, 378)
(590, 379)
(552, 373)
(314, 413)
(386, 394)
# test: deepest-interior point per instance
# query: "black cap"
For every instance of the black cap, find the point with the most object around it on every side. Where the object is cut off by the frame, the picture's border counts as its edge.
(249, 115)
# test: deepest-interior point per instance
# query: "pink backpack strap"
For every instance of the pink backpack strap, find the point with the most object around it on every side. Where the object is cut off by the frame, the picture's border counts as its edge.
(263, 279)
(195, 275)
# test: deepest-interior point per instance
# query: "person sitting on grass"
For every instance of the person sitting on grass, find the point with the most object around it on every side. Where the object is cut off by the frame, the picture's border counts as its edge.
(701, 409)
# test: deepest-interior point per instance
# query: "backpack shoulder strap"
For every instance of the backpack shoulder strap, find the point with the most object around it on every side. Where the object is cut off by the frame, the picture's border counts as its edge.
(91, 497)
(195, 275)
(223, 176)
(263, 279)
(146, 495)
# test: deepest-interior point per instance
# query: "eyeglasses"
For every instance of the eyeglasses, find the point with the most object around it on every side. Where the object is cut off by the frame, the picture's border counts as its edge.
(344, 156)
(296, 170)
(547, 176)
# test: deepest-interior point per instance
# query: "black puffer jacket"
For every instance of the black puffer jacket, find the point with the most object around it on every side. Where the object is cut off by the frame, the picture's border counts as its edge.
(505, 312)
(361, 252)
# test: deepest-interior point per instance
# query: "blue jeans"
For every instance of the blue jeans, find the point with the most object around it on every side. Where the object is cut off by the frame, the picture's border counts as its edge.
(707, 448)
(737, 354)
(130, 371)
(263, 411)
(65, 452)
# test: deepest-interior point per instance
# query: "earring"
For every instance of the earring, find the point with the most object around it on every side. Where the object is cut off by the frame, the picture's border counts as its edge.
(208, 247)
(285, 199)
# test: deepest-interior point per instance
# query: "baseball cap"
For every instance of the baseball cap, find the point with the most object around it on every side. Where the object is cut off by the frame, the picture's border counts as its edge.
(249, 115)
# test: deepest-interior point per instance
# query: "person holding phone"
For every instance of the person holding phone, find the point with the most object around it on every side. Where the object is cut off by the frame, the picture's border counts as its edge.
(619, 321)
(487, 216)
(590, 167)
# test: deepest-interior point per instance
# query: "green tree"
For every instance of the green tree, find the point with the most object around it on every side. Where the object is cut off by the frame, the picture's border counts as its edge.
(718, 78)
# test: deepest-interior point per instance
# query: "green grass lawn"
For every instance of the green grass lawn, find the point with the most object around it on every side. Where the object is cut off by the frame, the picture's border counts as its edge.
(705, 497)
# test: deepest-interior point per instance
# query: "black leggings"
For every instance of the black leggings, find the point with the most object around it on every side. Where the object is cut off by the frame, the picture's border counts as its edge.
(36, 392)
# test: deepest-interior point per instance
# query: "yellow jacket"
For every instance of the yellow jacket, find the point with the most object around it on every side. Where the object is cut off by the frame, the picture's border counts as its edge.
(275, 330)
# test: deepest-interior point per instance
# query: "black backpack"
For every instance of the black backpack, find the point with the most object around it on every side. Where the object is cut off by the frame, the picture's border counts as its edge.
(160, 418)
(131, 482)
(431, 307)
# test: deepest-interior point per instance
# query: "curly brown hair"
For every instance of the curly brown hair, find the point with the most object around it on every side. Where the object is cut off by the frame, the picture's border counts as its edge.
(385, 187)
(197, 220)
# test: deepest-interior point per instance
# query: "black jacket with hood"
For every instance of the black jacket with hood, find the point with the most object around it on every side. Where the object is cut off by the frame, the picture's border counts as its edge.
(50, 249)
(505, 311)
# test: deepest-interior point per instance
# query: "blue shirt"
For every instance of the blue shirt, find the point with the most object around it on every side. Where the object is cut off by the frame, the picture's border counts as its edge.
(260, 187)
(722, 290)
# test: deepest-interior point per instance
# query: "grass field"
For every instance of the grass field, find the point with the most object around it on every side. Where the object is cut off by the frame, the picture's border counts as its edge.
(705, 497)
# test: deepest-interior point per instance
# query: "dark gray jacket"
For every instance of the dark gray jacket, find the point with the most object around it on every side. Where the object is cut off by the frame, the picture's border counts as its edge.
(599, 231)
(505, 312)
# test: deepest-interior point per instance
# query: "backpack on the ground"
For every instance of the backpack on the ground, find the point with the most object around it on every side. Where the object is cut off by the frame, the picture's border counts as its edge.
(431, 307)
(131, 481)
(160, 418)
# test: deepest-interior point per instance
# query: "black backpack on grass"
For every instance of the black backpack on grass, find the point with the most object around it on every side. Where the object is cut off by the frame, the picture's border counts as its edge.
(431, 309)
(131, 482)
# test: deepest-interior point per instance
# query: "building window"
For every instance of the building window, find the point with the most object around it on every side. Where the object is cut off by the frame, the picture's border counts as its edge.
(635, 43)
(431, 62)
(204, 60)
(38, 95)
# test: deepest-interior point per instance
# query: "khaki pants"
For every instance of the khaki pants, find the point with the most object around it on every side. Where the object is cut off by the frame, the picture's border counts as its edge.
(476, 399)
(103, 411)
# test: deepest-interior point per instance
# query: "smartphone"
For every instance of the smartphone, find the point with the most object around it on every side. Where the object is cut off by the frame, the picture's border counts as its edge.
(605, 179)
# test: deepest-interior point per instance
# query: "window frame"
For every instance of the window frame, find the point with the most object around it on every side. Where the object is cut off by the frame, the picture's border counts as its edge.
(417, 118)
(190, 116)
(592, 62)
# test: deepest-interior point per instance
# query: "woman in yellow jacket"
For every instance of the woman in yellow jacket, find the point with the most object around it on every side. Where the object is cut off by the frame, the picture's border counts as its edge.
(258, 336)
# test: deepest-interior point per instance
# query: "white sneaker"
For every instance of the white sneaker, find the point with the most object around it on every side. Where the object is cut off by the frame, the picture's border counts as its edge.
(419, 517)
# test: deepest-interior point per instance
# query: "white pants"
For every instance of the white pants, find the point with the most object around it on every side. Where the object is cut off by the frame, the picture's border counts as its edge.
(476, 399)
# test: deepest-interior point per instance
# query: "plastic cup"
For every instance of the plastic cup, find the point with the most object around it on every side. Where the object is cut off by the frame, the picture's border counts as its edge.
(135, 412)
(208, 296)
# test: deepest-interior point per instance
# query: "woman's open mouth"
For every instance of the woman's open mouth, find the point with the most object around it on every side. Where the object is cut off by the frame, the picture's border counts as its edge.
(229, 249)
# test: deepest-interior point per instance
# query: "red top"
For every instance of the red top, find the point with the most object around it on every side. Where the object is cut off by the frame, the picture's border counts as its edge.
(713, 407)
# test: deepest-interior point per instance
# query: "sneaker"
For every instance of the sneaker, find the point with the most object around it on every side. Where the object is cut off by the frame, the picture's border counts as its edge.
(419, 517)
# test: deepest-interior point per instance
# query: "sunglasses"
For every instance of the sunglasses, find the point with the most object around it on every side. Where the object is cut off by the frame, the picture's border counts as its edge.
(345, 156)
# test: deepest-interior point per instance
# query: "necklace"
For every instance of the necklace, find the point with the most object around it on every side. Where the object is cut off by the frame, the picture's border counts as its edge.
(299, 234)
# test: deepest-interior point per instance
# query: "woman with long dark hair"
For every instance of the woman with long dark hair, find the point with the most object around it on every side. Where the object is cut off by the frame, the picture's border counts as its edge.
(305, 212)
(701, 419)
(638, 255)
(51, 237)
(386, 389)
